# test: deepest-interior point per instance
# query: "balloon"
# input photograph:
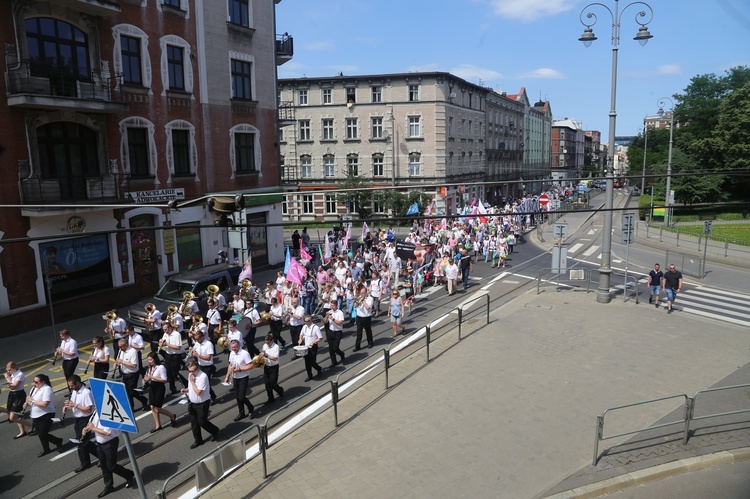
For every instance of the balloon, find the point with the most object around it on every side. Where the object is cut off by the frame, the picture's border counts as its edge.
(351, 255)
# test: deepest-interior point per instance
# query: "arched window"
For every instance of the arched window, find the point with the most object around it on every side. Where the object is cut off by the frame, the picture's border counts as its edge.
(58, 51)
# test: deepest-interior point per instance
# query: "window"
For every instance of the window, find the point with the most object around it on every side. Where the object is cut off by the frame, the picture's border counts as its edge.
(172, 3)
(305, 163)
(302, 97)
(351, 95)
(176, 67)
(130, 49)
(327, 127)
(415, 168)
(450, 126)
(413, 93)
(378, 204)
(377, 94)
(352, 165)
(331, 203)
(377, 127)
(285, 207)
(59, 51)
(351, 128)
(304, 129)
(68, 153)
(327, 96)
(181, 152)
(415, 129)
(238, 12)
(307, 204)
(378, 169)
(138, 155)
(329, 166)
(244, 153)
(241, 79)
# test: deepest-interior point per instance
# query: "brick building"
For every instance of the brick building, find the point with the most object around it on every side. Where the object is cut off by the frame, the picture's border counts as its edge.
(108, 110)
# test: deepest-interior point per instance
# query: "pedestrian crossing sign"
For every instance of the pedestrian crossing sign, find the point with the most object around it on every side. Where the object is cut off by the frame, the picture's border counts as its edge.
(113, 405)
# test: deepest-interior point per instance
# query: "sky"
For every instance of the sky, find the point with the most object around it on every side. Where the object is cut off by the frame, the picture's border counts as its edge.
(509, 44)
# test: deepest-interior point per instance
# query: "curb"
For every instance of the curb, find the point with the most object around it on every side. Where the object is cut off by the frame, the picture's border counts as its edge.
(660, 472)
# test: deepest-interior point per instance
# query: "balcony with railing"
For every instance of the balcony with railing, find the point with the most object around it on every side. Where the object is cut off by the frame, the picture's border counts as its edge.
(75, 189)
(284, 48)
(94, 7)
(31, 85)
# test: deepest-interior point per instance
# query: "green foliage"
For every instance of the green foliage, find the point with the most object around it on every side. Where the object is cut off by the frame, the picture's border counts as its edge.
(361, 195)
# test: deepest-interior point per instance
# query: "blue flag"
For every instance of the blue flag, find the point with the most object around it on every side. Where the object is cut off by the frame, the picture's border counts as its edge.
(288, 260)
(413, 210)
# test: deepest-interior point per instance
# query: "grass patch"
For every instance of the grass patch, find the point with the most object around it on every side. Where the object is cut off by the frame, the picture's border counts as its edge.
(734, 233)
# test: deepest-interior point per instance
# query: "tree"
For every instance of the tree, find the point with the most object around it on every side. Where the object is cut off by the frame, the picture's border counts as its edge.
(728, 147)
(359, 194)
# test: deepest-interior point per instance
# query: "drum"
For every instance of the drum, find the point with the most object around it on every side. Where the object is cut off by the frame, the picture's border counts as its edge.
(300, 351)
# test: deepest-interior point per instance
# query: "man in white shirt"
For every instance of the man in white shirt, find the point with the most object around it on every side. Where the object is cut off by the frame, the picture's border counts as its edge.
(213, 316)
(135, 341)
(153, 324)
(69, 350)
(395, 268)
(253, 321)
(310, 336)
(118, 326)
(451, 274)
(233, 334)
(271, 369)
(376, 293)
(172, 343)
(296, 319)
(107, 442)
(199, 400)
(203, 350)
(334, 321)
(239, 365)
(364, 319)
(127, 359)
(81, 403)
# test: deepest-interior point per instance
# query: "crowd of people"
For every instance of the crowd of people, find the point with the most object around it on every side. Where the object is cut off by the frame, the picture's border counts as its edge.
(344, 285)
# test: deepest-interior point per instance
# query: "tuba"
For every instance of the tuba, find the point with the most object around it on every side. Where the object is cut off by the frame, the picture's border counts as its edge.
(171, 310)
(187, 296)
(150, 307)
(109, 317)
(212, 290)
(246, 291)
(265, 316)
(222, 342)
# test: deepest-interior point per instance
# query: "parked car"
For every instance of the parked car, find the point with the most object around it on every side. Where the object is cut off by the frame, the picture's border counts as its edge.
(196, 281)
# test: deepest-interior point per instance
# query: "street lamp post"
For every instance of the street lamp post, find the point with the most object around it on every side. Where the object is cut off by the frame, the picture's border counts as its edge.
(605, 271)
(645, 146)
(667, 195)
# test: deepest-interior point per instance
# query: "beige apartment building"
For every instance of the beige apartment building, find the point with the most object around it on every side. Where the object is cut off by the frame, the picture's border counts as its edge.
(431, 131)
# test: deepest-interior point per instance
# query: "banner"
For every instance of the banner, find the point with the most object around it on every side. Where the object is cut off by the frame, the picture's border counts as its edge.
(296, 272)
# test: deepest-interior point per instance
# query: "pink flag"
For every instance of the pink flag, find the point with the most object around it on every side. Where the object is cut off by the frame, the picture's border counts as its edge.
(296, 272)
(247, 271)
(304, 255)
(347, 236)
(365, 229)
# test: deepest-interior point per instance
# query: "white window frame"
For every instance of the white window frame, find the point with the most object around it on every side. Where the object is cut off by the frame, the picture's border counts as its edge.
(305, 166)
(133, 32)
(187, 62)
(305, 130)
(181, 125)
(241, 56)
(184, 7)
(329, 166)
(245, 128)
(330, 204)
(326, 96)
(413, 93)
(376, 127)
(302, 97)
(352, 128)
(138, 122)
(308, 204)
(378, 165)
(415, 168)
(415, 126)
(327, 129)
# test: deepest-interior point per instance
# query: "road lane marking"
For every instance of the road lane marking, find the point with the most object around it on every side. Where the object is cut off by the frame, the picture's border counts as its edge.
(590, 251)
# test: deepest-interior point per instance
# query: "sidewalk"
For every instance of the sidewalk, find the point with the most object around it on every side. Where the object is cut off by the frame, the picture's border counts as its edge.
(510, 410)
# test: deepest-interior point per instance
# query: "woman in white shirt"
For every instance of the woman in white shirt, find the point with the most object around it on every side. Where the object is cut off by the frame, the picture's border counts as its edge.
(156, 378)
(16, 397)
(42, 410)
(100, 358)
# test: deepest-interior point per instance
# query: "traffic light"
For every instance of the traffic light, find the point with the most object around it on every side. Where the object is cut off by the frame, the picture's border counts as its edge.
(224, 221)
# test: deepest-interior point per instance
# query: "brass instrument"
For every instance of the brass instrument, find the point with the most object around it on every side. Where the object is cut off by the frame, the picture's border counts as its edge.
(109, 317)
(212, 289)
(150, 307)
(259, 360)
(171, 310)
(359, 299)
(187, 296)
(265, 316)
(223, 342)
(248, 292)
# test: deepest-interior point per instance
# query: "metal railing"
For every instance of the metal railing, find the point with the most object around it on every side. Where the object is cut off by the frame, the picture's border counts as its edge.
(688, 416)
(29, 77)
(577, 277)
(218, 464)
(36, 190)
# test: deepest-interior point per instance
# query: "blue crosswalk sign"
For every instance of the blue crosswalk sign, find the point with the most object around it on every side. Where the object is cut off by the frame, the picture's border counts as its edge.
(113, 405)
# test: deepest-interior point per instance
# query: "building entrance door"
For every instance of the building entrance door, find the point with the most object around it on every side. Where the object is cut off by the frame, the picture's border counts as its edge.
(145, 264)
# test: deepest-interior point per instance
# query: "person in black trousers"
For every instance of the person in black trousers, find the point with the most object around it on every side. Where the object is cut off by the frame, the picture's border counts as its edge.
(107, 441)
(199, 400)
(42, 410)
(310, 336)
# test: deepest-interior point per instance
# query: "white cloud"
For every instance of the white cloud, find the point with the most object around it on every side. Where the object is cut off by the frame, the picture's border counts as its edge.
(319, 46)
(547, 73)
(669, 69)
(530, 10)
(473, 73)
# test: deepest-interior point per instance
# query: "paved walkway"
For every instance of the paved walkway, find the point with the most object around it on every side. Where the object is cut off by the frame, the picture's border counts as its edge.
(510, 410)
